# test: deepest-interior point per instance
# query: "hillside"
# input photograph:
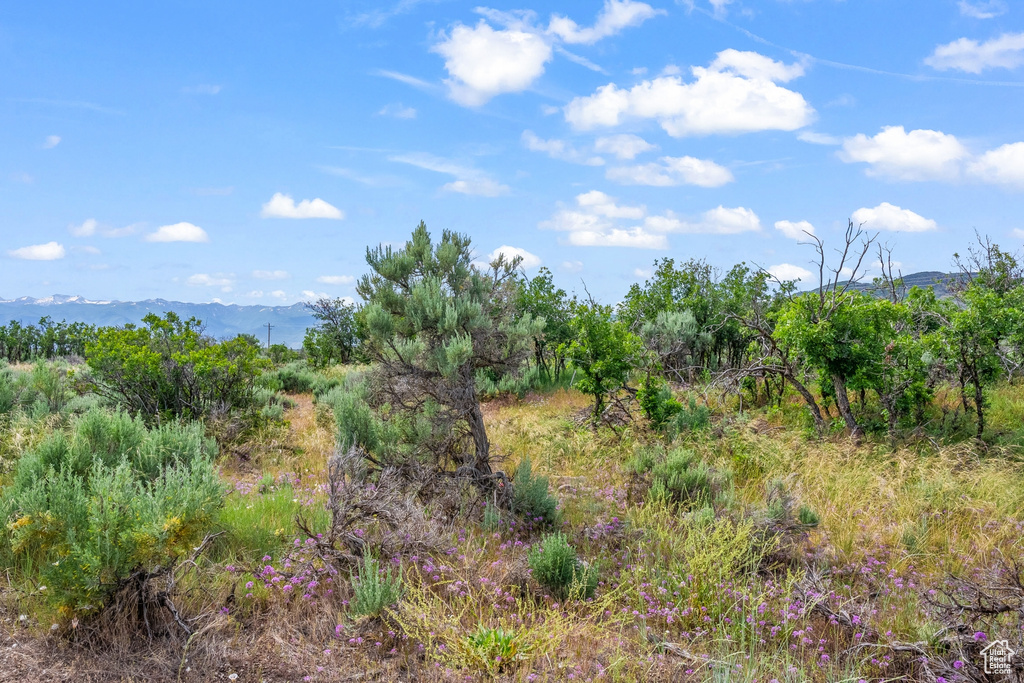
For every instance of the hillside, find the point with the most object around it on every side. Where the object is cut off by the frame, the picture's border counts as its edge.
(222, 320)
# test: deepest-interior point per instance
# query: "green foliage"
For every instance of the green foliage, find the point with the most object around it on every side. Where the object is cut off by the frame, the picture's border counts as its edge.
(22, 343)
(295, 377)
(682, 477)
(492, 519)
(807, 516)
(433, 321)
(656, 402)
(530, 497)
(555, 567)
(539, 298)
(375, 589)
(168, 366)
(335, 339)
(88, 509)
(495, 648)
(602, 350)
(693, 417)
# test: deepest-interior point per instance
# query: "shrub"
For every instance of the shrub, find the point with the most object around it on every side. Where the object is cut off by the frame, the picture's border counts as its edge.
(555, 566)
(296, 377)
(110, 500)
(693, 417)
(683, 478)
(807, 516)
(375, 590)
(8, 397)
(495, 648)
(492, 519)
(656, 402)
(530, 497)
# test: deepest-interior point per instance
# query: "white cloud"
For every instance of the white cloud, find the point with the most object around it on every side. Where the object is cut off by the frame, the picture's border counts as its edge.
(623, 146)
(398, 111)
(270, 274)
(818, 138)
(529, 262)
(964, 54)
(982, 9)
(51, 251)
(917, 155)
(718, 221)
(279, 294)
(885, 216)
(1018, 233)
(635, 238)
(671, 171)
(468, 180)
(1003, 165)
(51, 141)
(483, 187)
(483, 62)
(787, 272)
(572, 266)
(643, 272)
(222, 280)
(406, 78)
(179, 232)
(736, 94)
(336, 279)
(615, 16)
(794, 231)
(720, 6)
(559, 149)
(283, 206)
(600, 204)
(86, 229)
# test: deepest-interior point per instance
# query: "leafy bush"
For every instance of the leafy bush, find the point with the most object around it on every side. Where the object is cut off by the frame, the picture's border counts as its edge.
(168, 366)
(656, 402)
(530, 497)
(88, 509)
(295, 377)
(375, 590)
(684, 478)
(495, 648)
(690, 418)
(555, 566)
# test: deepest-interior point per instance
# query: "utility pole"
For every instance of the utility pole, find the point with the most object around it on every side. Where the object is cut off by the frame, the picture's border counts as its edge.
(269, 327)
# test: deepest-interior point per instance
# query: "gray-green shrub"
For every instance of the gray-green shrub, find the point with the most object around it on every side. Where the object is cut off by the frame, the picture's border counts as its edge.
(530, 496)
(375, 590)
(555, 566)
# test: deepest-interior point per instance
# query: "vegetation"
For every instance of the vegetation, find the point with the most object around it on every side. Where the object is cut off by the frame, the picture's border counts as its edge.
(722, 478)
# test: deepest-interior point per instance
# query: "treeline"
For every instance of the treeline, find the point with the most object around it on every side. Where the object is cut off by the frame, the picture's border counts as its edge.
(23, 343)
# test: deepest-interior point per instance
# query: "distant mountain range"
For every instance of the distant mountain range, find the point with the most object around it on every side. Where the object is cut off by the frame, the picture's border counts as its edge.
(938, 281)
(289, 323)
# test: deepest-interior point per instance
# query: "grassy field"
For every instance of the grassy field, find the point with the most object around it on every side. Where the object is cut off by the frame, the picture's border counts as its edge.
(744, 551)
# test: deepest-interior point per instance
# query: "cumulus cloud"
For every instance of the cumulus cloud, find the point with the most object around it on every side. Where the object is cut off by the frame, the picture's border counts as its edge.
(51, 251)
(483, 62)
(671, 171)
(529, 261)
(279, 294)
(917, 155)
(787, 272)
(1003, 165)
(795, 231)
(468, 180)
(614, 16)
(719, 221)
(623, 146)
(179, 232)
(964, 54)
(283, 206)
(885, 216)
(559, 149)
(737, 93)
(86, 229)
(336, 279)
(224, 281)
(598, 220)
(51, 141)
(270, 274)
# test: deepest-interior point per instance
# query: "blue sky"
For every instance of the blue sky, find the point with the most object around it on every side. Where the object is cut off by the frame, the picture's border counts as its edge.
(249, 152)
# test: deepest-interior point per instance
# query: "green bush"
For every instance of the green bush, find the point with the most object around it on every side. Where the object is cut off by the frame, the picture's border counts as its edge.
(807, 516)
(555, 567)
(296, 377)
(684, 478)
(375, 590)
(88, 509)
(693, 417)
(530, 497)
(8, 396)
(496, 649)
(656, 402)
(492, 519)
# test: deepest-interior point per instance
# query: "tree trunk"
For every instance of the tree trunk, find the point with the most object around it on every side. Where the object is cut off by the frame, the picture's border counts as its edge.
(482, 460)
(978, 404)
(819, 422)
(843, 404)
